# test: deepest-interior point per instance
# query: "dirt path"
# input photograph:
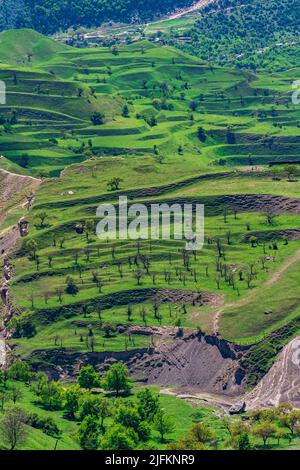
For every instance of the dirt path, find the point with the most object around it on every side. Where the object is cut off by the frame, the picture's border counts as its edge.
(200, 398)
(28, 177)
(272, 280)
(280, 385)
(277, 274)
(178, 14)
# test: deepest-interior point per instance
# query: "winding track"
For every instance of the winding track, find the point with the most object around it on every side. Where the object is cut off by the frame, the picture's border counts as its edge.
(174, 16)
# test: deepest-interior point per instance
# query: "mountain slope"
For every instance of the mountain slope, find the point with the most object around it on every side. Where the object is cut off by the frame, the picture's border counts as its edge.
(49, 16)
(238, 32)
(26, 46)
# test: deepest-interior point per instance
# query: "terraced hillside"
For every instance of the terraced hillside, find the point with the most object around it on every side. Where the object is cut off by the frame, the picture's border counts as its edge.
(173, 129)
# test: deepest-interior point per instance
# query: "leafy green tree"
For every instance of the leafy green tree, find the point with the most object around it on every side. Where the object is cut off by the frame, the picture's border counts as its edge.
(3, 378)
(115, 50)
(116, 379)
(42, 216)
(20, 371)
(290, 420)
(193, 105)
(104, 411)
(280, 434)
(46, 424)
(89, 227)
(31, 247)
(97, 118)
(148, 404)
(128, 416)
(88, 433)
(88, 405)
(72, 397)
(201, 134)
(243, 442)
(152, 121)
(71, 288)
(200, 437)
(265, 430)
(125, 111)
(201, 433)
(96, 406)
(24, 327)
(24, 160)
(4, 397)
(12, 427)
(163, 424)
(119, 437)
(291, 171)
(15, 393)
(236, 429)
(50, 394)
(88, 377)
(114, 184)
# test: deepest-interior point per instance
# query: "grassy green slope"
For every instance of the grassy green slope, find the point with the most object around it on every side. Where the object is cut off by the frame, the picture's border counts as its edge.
(245, 121)
(26, 46)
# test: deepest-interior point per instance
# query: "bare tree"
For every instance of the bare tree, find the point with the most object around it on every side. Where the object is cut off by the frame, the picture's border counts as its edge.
(31, 299)
(270, 214)
(46, 297)
(249, 278)
(138, 276)
(50, 259)
(59, 293)
(228, 237)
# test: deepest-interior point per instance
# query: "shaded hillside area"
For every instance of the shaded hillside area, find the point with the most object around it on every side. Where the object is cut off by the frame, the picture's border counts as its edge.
(241, 33)
(49, 16)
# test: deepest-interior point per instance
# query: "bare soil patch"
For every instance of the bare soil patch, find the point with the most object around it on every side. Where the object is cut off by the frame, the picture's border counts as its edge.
(282, 383)
(195, 361)
(189, 297)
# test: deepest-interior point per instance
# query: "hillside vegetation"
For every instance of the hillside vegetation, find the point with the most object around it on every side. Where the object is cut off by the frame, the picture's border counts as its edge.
(241, 33)
(49, 16)
(157, 125)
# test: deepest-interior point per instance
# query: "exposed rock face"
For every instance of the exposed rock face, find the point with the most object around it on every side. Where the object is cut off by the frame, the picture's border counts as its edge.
(59, 363)
(282, 383)
(195, 361)
(238, 409)
(200, 362)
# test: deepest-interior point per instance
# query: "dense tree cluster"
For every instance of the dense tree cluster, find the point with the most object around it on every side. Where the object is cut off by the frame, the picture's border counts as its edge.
(49, 16)
(231, 31)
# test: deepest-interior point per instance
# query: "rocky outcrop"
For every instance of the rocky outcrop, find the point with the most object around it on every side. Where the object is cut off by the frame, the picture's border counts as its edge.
(189, 359)
(197, 361)
(60, 363)
(282, 383)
